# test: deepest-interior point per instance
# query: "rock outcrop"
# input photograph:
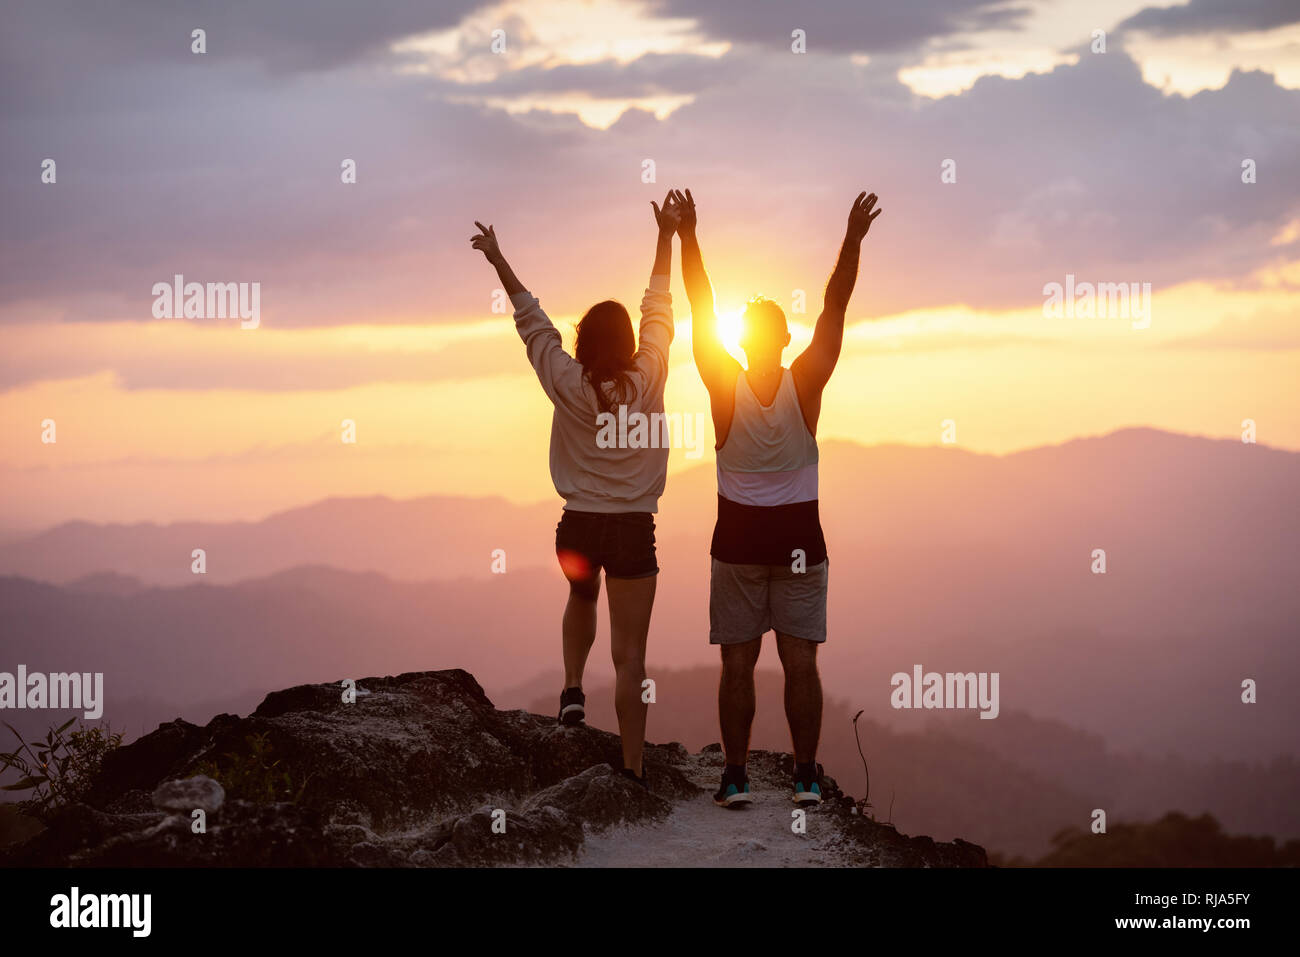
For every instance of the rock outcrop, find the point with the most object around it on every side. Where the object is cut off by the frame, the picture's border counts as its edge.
(420, 770)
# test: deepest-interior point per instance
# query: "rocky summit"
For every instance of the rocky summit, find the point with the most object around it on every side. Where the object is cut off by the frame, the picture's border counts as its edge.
(420, 770)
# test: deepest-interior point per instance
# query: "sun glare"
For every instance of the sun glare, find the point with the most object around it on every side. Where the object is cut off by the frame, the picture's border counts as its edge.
(729, 326)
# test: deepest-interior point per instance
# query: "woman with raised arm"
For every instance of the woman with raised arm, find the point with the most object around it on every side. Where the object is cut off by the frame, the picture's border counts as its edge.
(610, 486)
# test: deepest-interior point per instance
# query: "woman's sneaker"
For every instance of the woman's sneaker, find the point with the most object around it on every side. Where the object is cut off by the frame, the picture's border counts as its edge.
(734, 791)
(631, 776)
(573, 707)
(807, 786)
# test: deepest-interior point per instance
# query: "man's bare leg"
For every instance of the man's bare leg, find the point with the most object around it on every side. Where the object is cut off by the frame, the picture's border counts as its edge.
(803, 695)
(736, 698)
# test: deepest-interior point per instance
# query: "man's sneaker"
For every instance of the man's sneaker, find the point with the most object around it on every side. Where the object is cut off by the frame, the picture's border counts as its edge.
(734, 791)
(573, 707)
(631, 776)
(807, 786)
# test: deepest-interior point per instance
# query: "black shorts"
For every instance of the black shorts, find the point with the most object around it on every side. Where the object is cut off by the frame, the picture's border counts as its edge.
(623, 543)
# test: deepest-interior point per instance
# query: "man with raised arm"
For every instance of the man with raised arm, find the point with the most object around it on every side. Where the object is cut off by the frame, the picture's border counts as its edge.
(769, 567)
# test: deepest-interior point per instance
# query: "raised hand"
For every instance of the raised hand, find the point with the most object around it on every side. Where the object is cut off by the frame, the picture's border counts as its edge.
(686, 208)
(486, 243)
(861, 216)
(668, 216)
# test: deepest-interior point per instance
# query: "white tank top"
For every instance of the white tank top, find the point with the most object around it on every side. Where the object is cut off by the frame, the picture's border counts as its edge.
(769, 456)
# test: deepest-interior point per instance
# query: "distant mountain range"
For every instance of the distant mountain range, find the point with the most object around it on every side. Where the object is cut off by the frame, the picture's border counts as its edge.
(409, 540)
(939, 557)
(1120, 691)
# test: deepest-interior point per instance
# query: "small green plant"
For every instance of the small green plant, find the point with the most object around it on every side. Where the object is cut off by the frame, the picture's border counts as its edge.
(58, 770)
(254, 775)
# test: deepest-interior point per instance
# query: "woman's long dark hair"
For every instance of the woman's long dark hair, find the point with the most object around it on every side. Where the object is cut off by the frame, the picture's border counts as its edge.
(604, 350)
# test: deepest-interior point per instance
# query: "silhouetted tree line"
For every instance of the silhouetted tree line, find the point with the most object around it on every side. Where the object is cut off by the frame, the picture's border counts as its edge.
(1176, 840)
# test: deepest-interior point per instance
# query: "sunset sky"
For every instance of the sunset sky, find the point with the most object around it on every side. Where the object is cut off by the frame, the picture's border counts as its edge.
(1123, 166)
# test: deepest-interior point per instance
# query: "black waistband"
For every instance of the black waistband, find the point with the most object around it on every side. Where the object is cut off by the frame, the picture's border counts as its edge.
(767, 534)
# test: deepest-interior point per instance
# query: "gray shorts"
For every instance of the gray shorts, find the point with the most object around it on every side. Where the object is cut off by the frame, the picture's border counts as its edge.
(745, 601)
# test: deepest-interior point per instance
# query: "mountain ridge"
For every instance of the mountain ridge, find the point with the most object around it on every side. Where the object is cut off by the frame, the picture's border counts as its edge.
(422, 770)
(63, 552)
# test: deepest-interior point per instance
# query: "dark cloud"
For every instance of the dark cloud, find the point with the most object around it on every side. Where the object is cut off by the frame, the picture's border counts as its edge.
(846, 26)
(649, 75)
(1214, 16)
(227, 174)
(55, 45)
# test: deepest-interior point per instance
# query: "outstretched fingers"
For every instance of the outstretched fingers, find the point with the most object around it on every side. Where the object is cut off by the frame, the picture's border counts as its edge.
(670, 213)
(686, 208)
(863, 213)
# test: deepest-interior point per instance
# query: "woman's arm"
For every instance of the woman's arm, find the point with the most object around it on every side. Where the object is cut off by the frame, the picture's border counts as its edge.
(667, 219)
(559, 374)
(486, 243)
(657, 305)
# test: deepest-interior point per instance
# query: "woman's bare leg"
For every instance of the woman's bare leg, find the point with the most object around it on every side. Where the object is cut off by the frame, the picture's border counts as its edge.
(630, 602)
(579, 631)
